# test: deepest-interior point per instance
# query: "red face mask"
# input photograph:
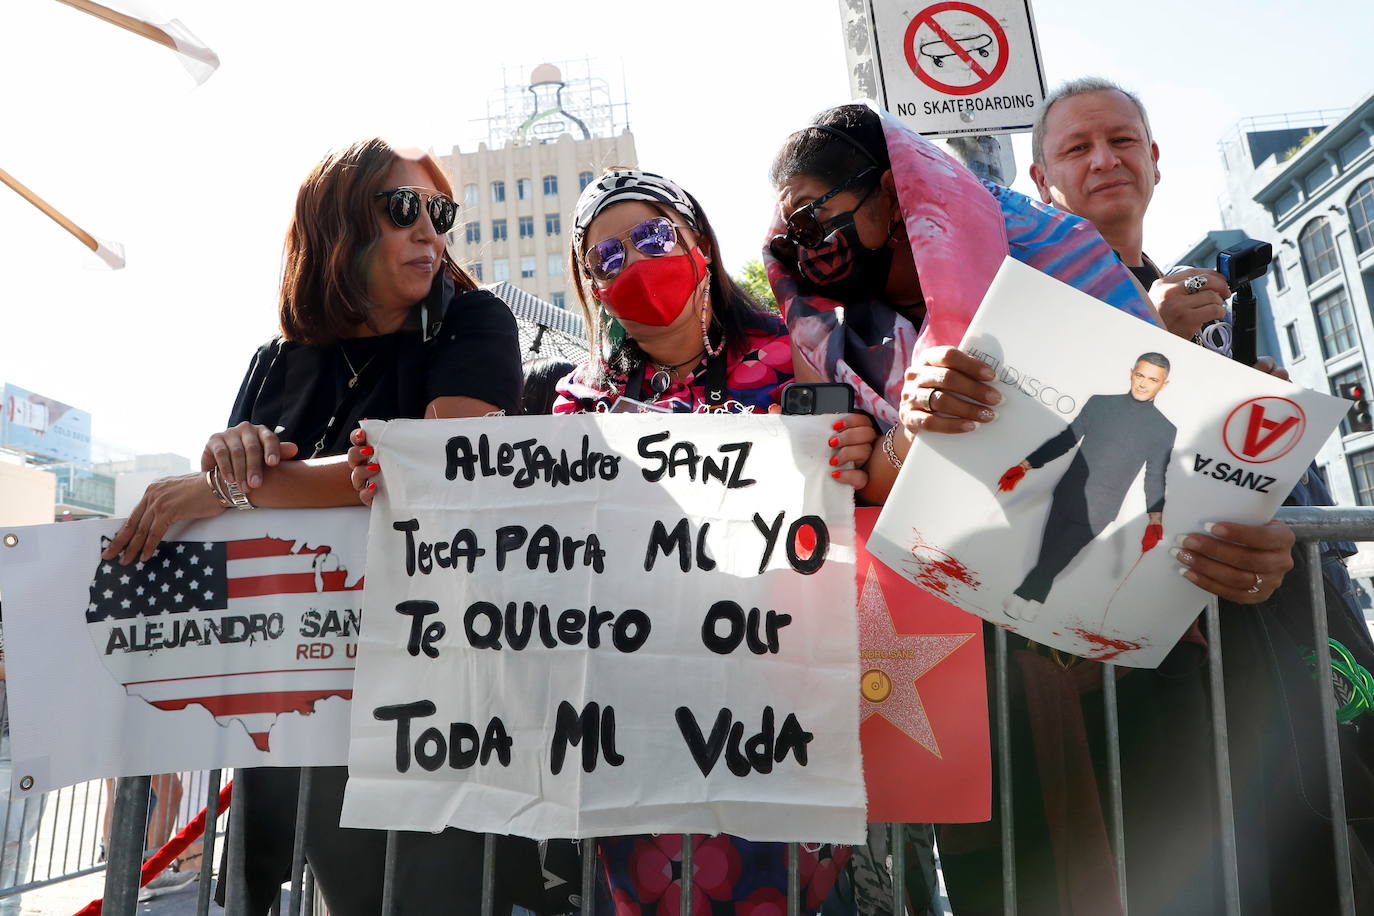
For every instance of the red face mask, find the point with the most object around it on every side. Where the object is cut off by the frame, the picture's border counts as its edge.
(654, 291)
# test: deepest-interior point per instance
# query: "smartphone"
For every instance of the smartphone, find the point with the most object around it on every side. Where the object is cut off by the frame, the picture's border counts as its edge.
(804, 399)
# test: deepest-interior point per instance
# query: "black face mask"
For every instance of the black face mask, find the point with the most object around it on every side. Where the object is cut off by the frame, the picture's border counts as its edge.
(841, 267)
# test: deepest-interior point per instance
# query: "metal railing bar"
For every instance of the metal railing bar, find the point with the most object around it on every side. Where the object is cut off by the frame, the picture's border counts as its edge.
(128, 827)
(685, 898)
(235, 890)
(1115, 809)
(207, 842)
(9, 808)
(298, 844)
(488, 874)
(309, 903)
(38, 838)
(1328, 523)
(1004, 796)
(49, 882)
(389, 874)
(52, 841)
(71, 818)
(85, 807)
(897, 837)
(1221, 759)
(793, 879)
(1336, 790)
(588, 902)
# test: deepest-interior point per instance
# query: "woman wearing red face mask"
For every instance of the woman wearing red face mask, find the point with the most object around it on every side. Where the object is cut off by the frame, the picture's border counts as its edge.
(694, 341)
(643, 250)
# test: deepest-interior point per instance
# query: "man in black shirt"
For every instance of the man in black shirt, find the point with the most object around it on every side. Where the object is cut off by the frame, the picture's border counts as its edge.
(1119, 433)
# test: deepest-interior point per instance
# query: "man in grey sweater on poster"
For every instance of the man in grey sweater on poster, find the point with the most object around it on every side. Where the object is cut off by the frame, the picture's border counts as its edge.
(1120, 432)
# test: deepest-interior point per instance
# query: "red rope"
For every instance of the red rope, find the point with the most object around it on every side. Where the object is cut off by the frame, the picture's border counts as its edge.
(170, 850)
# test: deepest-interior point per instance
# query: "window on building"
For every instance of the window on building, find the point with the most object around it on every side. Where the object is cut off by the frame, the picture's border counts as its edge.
(473, 233)
(1294, 345)
(498, 192)
(1318, 250)
(559, 300)
(1353, 376)
(1354, 149)
(1360, 206)
(527, 227)
(1319, 176)
(469, 195)
(527, 266)
(583, 179)
(1280, 281)
(553, 224)
(1335, 324)
(550, 185)
(1362, 475)
(1290, 199)
(498, 230)
(500, 270)
(524, 189)
(555, 265)
(475, 268)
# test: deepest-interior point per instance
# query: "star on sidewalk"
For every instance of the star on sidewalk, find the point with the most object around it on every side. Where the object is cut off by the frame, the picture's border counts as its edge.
(893, 662)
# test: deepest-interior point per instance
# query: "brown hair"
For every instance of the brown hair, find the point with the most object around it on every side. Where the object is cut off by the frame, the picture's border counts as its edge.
(332, 232)
(735, 313)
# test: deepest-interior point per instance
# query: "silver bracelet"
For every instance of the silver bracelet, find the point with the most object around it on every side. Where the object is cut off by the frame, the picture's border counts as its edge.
(228, 492)
(889, 451)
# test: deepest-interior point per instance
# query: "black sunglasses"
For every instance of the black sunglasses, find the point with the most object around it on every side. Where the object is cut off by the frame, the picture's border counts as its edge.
(403, 206)
(805, 228)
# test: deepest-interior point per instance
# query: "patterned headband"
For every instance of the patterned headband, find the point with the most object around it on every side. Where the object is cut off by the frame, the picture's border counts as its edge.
(620, 185)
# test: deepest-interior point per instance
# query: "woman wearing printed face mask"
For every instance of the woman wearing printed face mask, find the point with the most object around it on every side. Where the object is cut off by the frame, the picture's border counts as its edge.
(644, 250)
(863, 202)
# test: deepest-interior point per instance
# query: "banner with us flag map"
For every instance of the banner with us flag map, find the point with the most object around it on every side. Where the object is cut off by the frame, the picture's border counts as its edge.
(233, 646)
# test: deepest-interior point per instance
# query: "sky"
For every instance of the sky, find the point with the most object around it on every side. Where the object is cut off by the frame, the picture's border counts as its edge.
(197, 182)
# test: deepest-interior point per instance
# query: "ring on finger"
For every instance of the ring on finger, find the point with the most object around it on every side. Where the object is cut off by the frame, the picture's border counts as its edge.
(1259, 580)
(1194, 283)
(928, 401)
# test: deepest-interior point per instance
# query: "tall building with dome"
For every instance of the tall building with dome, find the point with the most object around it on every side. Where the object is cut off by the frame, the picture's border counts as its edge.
(546, 139)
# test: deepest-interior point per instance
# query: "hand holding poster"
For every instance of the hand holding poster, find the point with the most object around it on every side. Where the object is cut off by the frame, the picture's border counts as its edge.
(609, 625)
(1114, 441)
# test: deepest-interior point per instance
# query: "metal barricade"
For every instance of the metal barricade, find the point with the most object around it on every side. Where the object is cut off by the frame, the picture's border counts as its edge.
(1310, 525)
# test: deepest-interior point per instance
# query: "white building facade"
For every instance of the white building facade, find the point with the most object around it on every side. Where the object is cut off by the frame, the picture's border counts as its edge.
(1308, 189)
(516, 199)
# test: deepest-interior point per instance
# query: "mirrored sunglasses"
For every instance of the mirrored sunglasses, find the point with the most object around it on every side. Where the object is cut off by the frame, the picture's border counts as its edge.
(403, 206)
(654, 237)
(805, 228)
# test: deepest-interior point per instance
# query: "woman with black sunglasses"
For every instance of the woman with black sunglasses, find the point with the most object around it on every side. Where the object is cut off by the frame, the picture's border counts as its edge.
(376, 321)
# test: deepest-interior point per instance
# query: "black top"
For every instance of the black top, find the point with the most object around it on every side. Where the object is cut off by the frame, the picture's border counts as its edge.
(475, 353)
(1146, 272)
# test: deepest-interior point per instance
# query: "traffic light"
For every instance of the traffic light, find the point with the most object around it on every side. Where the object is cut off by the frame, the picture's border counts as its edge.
(1359, 417)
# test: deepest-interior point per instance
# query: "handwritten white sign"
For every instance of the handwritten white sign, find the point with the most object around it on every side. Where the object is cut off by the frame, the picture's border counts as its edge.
(609, 624)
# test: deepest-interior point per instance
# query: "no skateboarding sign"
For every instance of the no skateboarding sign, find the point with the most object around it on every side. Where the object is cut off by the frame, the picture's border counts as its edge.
(954, 67)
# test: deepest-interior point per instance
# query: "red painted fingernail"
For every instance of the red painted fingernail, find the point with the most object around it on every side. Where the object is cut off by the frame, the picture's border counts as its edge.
(372, 484)
(835, 461)
(374, 467)
(833, 441)
(365, 451)
(839, 424)
(835, 474)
